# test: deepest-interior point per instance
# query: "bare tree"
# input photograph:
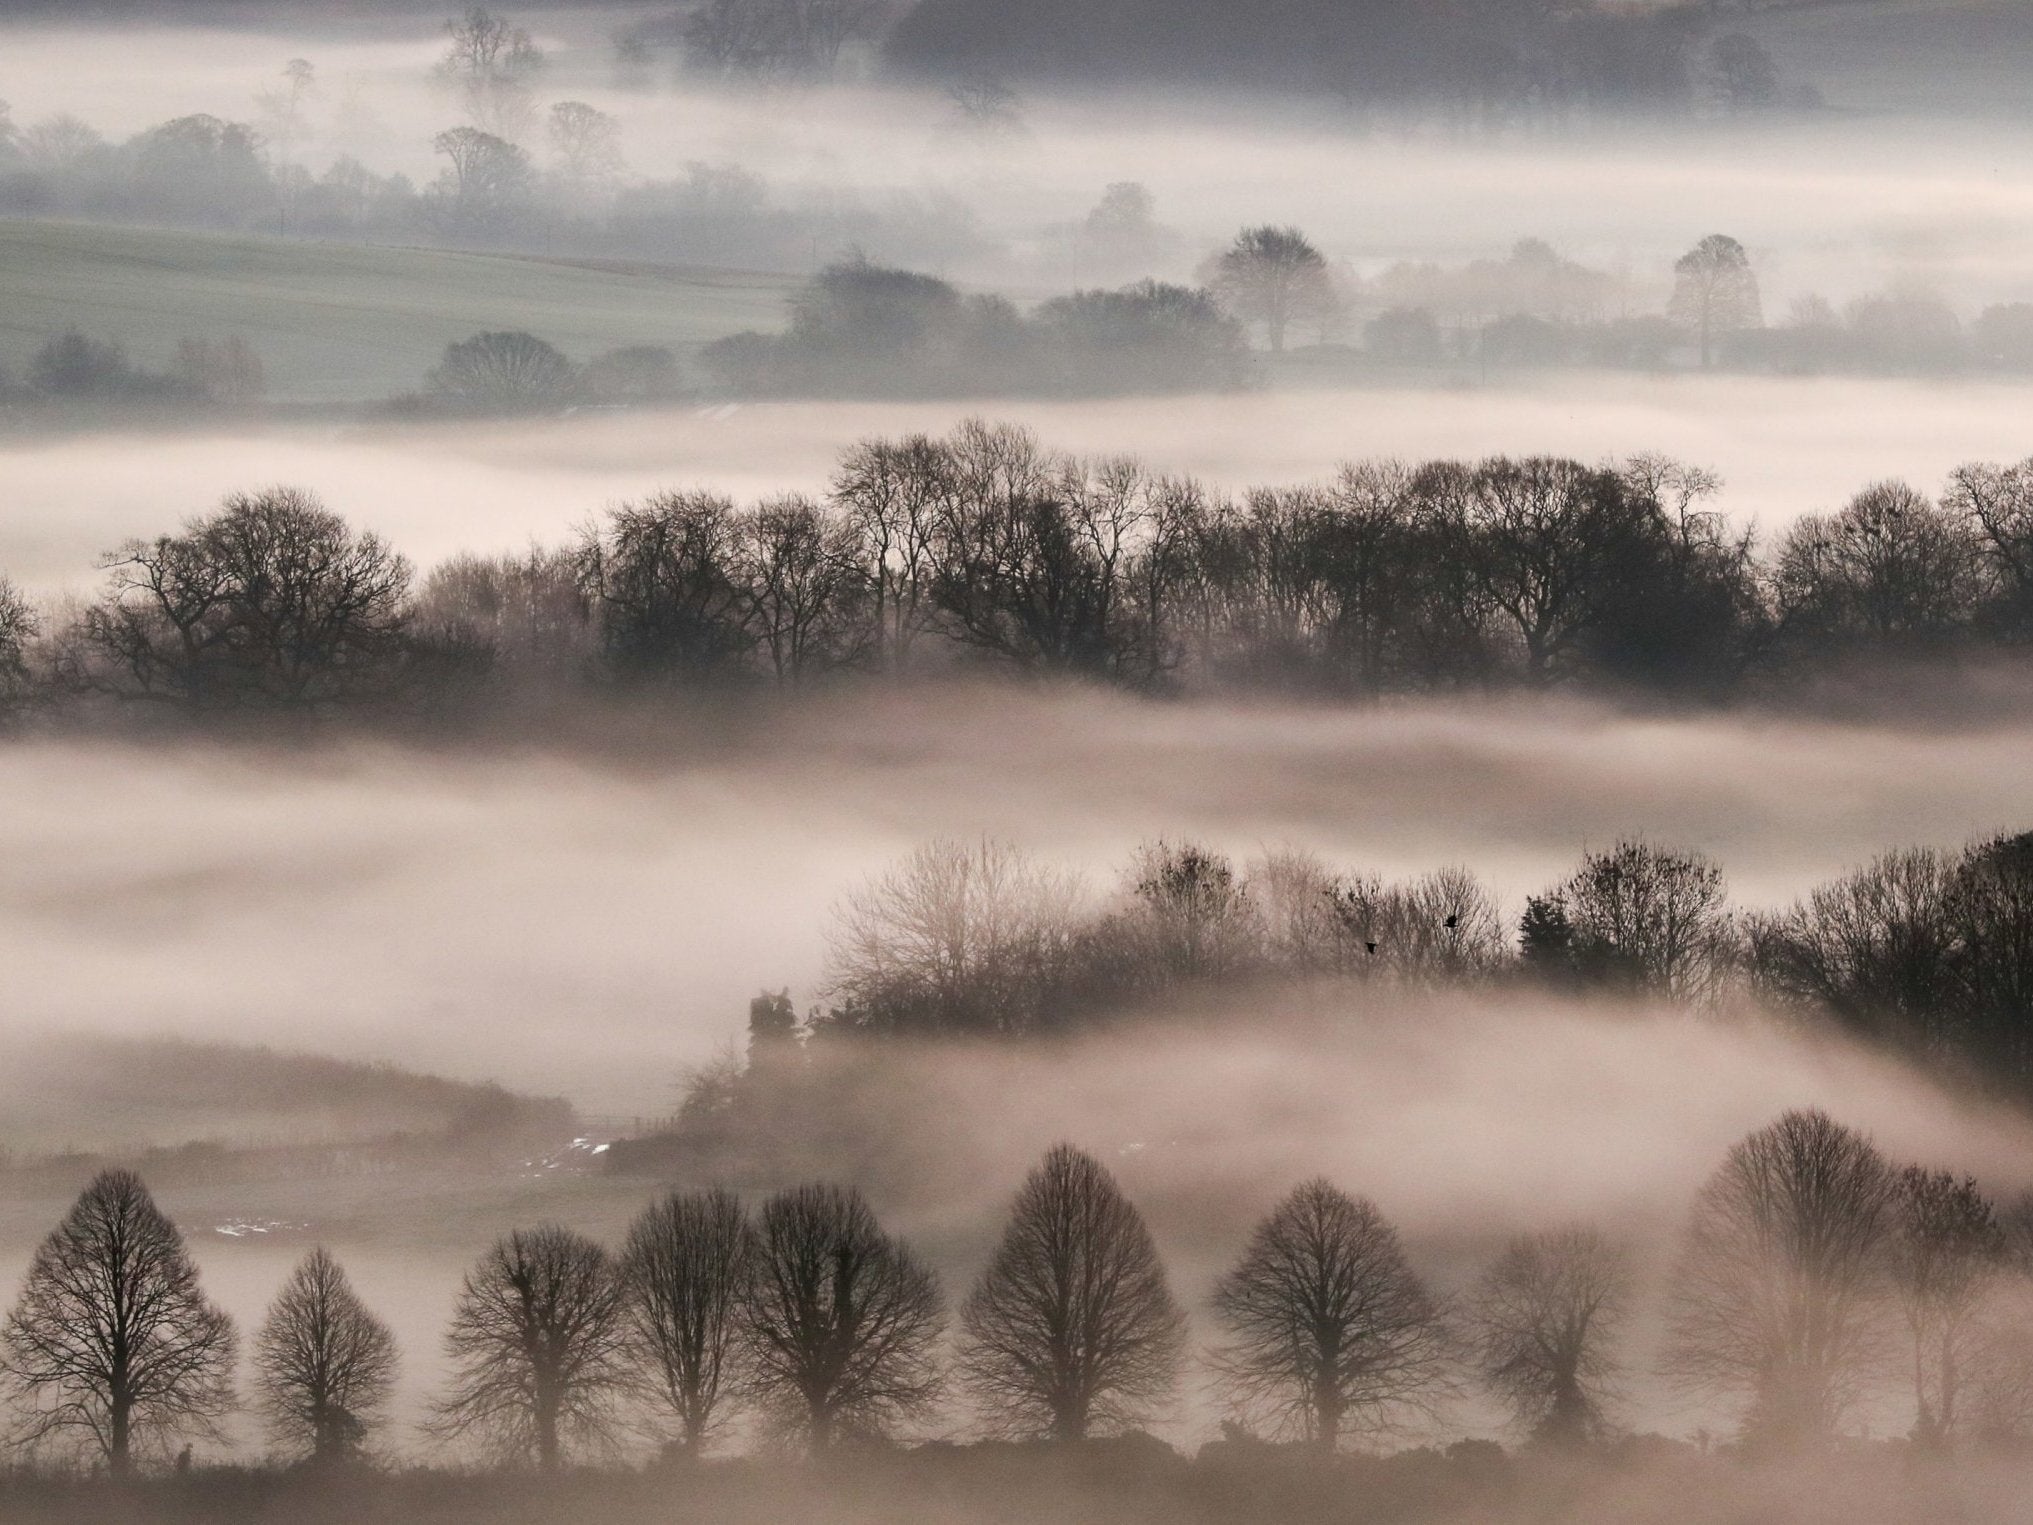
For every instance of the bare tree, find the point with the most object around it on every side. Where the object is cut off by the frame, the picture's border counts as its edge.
(685, 1266)
(324, 1366)
(539, 1346)
(960, 936)
(1947, 1251)
(493, 64)
(19, 626)
(1072, 1325)
(801, 572)
(1772, 1299)
(1545, 1319)
(1650, 918)
(586, 141)
(274, 603)
(842, 1319)
(503, 372)
(1275, 277)
(1997, 503)
(112, 1340)
(1330, 1330)
(1715, 292)
(485, 181)
(1190, 913)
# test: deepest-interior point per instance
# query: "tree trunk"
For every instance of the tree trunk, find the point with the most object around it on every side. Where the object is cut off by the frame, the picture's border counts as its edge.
(119, 1460)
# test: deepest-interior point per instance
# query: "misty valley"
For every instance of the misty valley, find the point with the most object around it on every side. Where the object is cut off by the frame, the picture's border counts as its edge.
(999, 762)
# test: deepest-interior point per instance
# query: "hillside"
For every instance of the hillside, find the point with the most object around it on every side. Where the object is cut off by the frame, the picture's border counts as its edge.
(102, 1093)
(337, 323)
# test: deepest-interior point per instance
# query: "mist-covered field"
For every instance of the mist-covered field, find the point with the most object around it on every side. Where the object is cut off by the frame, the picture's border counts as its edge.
(526, 878)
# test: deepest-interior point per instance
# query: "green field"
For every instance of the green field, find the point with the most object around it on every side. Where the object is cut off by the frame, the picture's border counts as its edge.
(337, 323)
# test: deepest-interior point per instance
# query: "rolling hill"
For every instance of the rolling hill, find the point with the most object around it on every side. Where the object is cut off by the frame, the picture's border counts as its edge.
(336, 323)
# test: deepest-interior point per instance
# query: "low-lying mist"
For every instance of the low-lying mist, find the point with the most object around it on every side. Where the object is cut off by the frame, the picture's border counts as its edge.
(1783, 448)
(587, 921)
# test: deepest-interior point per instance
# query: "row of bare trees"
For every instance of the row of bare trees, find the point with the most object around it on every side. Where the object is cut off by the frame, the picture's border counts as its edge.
(985, 550)
(1808, 1263)
(1926, 951)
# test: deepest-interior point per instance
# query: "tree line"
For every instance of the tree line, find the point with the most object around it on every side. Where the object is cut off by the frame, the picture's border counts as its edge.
(1811, 1271)
(1923, 952)
(985, 551)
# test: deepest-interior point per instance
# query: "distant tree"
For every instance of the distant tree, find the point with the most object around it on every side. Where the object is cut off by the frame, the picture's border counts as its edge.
(1715, 292)
(686, 1265)
(1740, 73)
(1539, 547)
(1273, 276)
(1996, 503)
(324, 1366)
(201, 168)
(1544, 1321)
(1648, 918)
(485, 182)
(508, 372)
(1072, 1325)
(272, 603)
(493, 64)
(1190, 915)
(987, 104)
(1948, 1250)
(664, 580)
(1890, 569)
(842, 1320)
(19, 626)
(1147, 338)
(958, 937)
(586, 142)
(1875, 949)
(805, 585)
(892, 493)
(776, 39)
(71, 365)
(538, 1346)
(1775, 1297)
(1330, 1330)
(112, 1341)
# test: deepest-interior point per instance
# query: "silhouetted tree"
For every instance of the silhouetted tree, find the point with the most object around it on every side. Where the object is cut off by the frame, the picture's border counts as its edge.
(1890, 569)
(504, 372)
(1330, 1330)
(324, 1366)
(842, 1320)
(112, 1341)
(1648, 918)
(1715, 292)
(1275, 277)
(19, 626)
(539, 1347)
(1997, 503)
(272, 603)
(1772, 1301)
(1072, 1325)
(1875, 949)
(586, 141)
(665, 583)
(686, 1266)
(1947, 1249)
(1544, 1320)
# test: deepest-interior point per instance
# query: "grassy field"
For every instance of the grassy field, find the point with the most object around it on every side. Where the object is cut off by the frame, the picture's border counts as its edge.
(337, 323)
